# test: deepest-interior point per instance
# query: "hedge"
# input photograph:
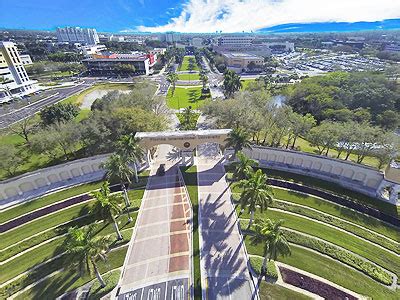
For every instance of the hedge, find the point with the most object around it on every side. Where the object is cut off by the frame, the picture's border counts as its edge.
(256, 263)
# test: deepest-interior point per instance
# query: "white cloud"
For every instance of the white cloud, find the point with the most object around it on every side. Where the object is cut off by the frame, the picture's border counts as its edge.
(248, 15)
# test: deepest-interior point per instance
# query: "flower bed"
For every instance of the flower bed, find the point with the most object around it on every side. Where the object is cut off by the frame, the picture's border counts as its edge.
(313, 285)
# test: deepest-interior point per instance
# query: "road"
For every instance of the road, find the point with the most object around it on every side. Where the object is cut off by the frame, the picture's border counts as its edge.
(50, 97)
(158, 264)
(224, 262)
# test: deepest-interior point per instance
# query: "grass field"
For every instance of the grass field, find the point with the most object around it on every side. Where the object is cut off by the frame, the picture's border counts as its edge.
(185, 97)
(190, 177)
(246, 82)
(332, 270)
(67, 279)
(185, 64)
(189, 77)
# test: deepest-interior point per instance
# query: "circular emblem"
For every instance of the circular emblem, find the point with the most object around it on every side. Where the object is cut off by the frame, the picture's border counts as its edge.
(186, 145)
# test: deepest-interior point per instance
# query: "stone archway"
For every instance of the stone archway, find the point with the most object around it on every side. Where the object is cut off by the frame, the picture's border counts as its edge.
(186, 141)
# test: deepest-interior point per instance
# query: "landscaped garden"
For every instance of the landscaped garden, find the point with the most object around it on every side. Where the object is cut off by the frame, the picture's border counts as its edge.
(188, 64)
(185, 97)
(34, 253)
(349, 248)
(188, 76)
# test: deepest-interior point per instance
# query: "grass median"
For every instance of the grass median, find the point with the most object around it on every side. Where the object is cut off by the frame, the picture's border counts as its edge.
(185, 97)
(190, 177)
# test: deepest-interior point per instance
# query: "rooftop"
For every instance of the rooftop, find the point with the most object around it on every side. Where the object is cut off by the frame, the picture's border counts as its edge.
(241, 55)
(157, 134)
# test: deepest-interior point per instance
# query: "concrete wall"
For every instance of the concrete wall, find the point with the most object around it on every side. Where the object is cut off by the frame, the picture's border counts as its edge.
(350, 175)
(34, 184)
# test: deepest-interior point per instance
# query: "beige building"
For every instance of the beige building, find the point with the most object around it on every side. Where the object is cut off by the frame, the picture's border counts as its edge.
(240, 61)
(14, 81)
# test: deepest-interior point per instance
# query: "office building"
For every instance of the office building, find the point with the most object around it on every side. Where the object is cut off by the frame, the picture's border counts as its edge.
(87, 36)
(197, 42)
(170, 37)
(109, 63)
(240, 62)
(14, 81)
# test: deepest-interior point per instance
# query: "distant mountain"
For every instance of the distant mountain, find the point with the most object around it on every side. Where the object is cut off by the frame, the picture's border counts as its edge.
(333, 26)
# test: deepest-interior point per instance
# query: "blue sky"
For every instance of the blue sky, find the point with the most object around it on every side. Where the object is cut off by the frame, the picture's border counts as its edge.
(193, 15)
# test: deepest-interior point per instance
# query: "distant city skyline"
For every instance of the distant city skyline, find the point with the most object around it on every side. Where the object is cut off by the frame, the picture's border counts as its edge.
(123, 16)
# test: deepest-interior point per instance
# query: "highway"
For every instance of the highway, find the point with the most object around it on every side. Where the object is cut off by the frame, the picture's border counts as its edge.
(49, 97)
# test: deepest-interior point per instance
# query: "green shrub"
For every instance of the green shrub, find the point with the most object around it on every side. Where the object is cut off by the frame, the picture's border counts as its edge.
(342, 255)
(337, 223)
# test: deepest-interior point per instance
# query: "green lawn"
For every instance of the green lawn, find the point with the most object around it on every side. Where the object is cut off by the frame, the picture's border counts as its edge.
(190, 177)
(27, 207)
(68, 280)
(379, 256)
(271, 291)
(185, 97)
(246, 82)
(38, 255)
(332, 270)
(337, 189)
(188, 77)
(185, 64)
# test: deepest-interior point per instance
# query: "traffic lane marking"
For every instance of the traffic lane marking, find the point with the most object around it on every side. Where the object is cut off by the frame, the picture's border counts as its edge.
(176, 289)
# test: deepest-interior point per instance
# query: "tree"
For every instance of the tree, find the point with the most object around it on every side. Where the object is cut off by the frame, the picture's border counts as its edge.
(117, 167)
(271, 235)
(243, 167)
(389, 120)
(188, 119)
(24, 128)
(238, 139)
(11, 158)
(301, 125)
(129, 149)
(204, 80)
(232, 83)
(58, 113)
(324, 137)
(256, 194)
(388, 148)
(84, 249)
(107, 207)
(172, 78)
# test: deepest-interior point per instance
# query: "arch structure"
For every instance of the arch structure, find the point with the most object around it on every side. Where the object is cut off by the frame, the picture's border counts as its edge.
(186, 142)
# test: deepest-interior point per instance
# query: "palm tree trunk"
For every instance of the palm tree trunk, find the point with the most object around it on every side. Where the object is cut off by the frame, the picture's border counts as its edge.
(264, 266)
(136, 172)
(119, 236)
(251, 219)
(98, 275)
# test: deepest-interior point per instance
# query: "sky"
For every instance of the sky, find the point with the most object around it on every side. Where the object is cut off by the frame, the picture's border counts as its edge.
(194, 15)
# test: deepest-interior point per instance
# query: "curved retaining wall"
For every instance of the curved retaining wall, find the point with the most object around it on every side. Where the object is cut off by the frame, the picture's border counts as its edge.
(354, 176)
(35, 184)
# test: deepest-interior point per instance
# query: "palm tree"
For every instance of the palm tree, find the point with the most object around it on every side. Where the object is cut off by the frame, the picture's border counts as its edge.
(129, 149)
(118, 167)
(204, 80)
(275, 244)
(238, 139)
(243, 167)
(232, 83)
(256, 194)
(84, 249)
(172, 78)
(107, 207)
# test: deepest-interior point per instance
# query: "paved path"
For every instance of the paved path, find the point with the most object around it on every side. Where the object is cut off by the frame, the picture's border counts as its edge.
(159, 261)
(224, 262)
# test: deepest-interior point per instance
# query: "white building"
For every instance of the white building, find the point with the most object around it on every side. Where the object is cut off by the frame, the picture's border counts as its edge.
(93, 49)
(14, 81)
(235, 41)
(87, 36)
(158, 51)
(116, 38)
(26, 59)
(197, 42)
(171, 37)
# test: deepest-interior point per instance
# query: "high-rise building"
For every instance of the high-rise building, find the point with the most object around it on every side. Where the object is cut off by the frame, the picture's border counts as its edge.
(170, 37)
(87, 36)
(14, 81)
